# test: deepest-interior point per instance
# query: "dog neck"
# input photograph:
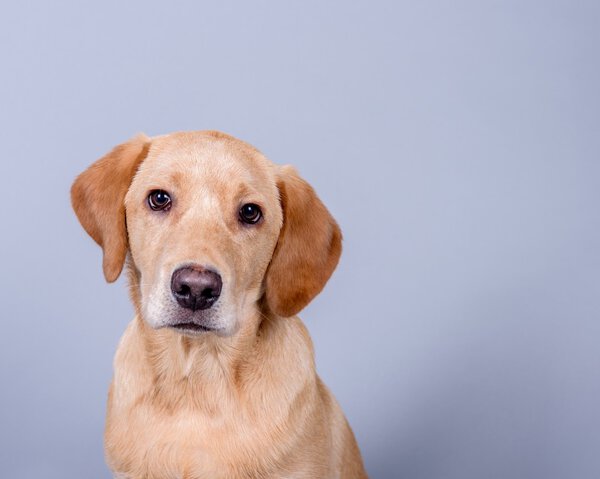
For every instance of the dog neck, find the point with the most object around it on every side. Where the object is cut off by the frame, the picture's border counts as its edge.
(212, 374)
(174, 356)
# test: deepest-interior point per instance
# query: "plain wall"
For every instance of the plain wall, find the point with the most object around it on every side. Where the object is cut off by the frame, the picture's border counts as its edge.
(458, 145)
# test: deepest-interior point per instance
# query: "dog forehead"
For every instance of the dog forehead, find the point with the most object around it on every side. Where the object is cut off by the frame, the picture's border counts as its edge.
(206, 158)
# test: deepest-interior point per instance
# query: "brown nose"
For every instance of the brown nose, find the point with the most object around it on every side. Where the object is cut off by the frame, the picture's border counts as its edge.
(195, 287)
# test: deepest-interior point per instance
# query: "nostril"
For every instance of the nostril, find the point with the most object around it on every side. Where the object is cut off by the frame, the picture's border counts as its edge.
(210, 293)
(183, 290)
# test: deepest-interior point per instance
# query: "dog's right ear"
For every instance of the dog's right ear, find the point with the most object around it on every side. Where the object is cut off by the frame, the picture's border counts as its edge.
(98, 195)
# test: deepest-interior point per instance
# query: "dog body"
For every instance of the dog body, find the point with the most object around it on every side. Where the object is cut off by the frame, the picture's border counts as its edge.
(215, 376)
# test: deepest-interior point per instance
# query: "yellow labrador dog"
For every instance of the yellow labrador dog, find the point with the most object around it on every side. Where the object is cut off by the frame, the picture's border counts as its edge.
(215, 376)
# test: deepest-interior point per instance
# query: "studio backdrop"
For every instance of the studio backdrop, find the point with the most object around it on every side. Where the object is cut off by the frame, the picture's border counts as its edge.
(456, 143)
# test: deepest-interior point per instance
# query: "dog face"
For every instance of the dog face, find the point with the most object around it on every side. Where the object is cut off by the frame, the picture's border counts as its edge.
(212, 228)
(203, 252)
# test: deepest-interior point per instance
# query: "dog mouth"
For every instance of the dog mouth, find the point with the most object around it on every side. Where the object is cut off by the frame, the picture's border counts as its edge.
(191, 327)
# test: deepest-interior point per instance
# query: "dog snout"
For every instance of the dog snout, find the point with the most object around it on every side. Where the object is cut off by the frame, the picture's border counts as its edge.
(195, 287)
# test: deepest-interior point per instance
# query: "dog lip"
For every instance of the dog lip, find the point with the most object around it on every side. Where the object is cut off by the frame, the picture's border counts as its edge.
(190, 326)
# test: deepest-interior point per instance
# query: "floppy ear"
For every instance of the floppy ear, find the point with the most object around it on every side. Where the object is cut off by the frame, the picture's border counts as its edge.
(308, 250)
(98, 194)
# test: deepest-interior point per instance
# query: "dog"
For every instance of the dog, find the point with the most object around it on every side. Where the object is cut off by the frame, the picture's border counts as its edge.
(215, 376)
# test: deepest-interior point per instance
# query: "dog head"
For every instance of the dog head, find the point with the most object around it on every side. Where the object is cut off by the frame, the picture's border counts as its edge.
(213, 229)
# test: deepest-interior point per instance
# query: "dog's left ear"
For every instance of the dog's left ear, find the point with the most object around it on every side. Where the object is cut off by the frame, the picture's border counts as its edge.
(98, 196)
(308, 250)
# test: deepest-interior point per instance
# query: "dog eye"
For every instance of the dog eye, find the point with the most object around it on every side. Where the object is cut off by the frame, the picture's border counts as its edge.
(159, 200)
(250, 213)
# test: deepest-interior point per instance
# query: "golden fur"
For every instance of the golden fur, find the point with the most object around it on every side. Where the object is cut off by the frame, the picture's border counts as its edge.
(245, 401)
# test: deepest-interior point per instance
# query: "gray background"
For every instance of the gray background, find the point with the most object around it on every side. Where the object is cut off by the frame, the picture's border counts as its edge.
(457, 143)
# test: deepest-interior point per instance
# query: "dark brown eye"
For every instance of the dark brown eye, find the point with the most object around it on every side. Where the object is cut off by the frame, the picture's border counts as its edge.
(250, 213)
(159, 200)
